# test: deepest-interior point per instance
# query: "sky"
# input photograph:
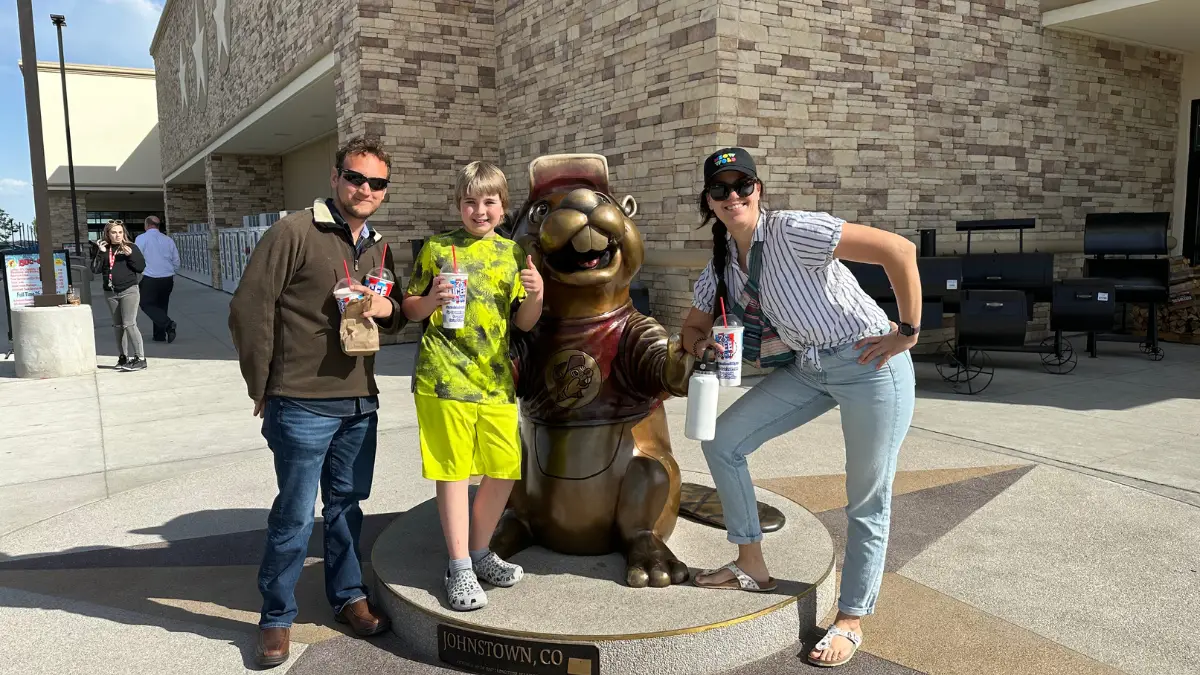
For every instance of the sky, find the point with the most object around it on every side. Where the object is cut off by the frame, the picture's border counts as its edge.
(99, 32)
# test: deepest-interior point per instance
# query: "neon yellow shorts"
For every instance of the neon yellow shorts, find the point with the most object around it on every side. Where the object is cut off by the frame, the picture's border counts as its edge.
(460, 439)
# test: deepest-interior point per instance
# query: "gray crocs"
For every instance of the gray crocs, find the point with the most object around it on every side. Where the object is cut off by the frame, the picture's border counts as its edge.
(464, 592)
(498, 572)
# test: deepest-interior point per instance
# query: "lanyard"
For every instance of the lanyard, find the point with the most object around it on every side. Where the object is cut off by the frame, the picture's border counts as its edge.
(112, 257)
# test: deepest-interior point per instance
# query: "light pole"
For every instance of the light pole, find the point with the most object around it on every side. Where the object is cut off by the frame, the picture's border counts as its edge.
(59, 21)
(37, 155)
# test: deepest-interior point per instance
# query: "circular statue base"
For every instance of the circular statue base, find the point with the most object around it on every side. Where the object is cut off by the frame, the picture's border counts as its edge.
(575, 615)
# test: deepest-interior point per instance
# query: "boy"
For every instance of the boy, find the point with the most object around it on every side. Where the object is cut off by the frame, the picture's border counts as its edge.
(463, 384)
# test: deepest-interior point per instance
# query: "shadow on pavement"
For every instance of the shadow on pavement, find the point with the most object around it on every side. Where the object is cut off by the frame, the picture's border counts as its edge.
(205, 584)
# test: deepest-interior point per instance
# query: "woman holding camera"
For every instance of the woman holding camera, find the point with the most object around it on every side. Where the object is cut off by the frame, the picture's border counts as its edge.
(120, 264)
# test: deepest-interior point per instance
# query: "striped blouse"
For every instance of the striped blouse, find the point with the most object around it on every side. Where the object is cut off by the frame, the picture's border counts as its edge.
(811, 298)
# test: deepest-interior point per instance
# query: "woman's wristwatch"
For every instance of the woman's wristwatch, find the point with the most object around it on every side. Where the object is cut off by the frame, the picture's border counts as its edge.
(907, 329)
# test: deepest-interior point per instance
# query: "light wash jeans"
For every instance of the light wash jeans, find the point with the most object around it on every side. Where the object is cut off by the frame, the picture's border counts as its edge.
(876, 409)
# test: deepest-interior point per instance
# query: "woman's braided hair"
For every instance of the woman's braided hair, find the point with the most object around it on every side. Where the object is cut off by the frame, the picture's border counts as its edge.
(720, 246)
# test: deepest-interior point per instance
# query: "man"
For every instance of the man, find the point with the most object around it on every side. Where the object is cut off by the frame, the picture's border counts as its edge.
(162, 261)
(318, 405)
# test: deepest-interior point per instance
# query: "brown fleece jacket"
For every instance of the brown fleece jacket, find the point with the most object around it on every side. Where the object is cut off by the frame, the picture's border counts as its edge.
(284, 319)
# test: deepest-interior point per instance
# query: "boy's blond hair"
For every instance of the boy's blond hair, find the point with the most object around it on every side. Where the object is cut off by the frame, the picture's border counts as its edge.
(480, 179)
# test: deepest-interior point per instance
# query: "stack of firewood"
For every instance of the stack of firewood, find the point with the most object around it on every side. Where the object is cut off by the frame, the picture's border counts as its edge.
(1179, 319)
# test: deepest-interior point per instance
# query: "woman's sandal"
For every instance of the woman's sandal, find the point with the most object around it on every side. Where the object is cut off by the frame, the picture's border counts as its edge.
(740, 581)
(854, 638)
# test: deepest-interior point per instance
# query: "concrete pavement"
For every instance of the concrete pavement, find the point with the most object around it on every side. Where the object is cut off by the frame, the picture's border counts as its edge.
(1048, 525)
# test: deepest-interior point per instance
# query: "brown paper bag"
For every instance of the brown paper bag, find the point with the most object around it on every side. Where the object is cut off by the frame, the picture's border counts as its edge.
(360, 336)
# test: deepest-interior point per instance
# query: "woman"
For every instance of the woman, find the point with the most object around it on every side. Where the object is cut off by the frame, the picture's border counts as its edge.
(120, 264)
(805, 314)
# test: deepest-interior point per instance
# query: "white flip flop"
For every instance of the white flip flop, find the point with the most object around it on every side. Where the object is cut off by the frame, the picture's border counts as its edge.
(854, 638)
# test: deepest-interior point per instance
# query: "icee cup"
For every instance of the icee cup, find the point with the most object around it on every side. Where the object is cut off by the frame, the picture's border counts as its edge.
(345, 295)
(381, 281)
(454, 312)
(729, 360)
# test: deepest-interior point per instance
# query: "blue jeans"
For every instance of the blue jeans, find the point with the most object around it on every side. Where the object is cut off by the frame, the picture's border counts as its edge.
(338, 454)
(876, 409)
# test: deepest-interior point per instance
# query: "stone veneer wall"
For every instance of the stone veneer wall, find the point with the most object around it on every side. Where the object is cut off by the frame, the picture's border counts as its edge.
(62, 228)
(918, 118)
(184, 205)
(268, 40)
(421, 77)
(636, 82)
(902, 119)
(239, 185)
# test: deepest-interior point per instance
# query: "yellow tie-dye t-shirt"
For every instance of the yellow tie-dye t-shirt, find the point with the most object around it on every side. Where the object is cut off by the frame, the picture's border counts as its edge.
(469, 363)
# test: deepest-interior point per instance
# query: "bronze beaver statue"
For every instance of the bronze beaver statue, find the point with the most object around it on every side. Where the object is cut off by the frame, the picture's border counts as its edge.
(597, 471)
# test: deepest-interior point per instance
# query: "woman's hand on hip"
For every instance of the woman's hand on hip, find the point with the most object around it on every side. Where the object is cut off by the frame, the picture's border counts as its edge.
(884, 347)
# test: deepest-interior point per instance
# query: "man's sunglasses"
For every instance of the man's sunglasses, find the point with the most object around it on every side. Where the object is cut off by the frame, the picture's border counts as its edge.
(357, 179)
(719, 192)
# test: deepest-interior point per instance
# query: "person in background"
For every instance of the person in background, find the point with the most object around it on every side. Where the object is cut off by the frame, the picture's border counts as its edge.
(119, 263)
(162, 261)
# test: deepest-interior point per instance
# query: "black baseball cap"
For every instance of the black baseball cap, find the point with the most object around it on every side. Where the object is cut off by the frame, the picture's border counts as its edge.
(729, 159)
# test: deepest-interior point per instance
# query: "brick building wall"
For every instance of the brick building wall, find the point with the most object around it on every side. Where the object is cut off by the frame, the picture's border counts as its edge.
(917, 119)
(184, 205)
(62, 228)
(236, 186)
(268, 39)
(901, 119)
(634, 81)
(421, 77)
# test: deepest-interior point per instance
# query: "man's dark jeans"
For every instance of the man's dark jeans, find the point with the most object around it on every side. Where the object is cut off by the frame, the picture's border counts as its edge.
(156, 297)
(338, 454)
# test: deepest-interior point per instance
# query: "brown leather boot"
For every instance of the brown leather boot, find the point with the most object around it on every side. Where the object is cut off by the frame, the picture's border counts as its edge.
(364, 621)
(273, 645)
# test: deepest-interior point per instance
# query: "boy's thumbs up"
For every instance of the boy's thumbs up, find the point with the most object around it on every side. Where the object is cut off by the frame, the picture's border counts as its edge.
(531, 279)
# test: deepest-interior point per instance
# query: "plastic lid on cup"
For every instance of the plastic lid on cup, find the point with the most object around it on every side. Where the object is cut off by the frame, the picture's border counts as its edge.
(342, 284)
(385, 274)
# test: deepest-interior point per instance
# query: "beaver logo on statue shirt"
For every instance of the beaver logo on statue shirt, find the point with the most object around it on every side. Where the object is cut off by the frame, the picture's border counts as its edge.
(574, 377)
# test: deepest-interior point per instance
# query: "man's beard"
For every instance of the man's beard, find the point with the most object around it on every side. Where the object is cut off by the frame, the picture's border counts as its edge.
(362, 209)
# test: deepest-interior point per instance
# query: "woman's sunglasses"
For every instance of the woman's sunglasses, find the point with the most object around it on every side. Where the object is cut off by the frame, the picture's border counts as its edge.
(357, 179)
(719, 192)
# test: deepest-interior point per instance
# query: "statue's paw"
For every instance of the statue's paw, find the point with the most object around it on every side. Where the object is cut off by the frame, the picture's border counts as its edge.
(649, 562)
(677, 369)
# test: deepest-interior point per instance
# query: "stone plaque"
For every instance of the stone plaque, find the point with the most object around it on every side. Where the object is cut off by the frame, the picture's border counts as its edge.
(484, 653)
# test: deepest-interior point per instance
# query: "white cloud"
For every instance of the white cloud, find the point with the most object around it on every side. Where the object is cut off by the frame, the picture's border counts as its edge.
(14, 186)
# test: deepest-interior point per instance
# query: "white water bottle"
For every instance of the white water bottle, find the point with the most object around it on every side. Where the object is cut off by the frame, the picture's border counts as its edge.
(703, 389)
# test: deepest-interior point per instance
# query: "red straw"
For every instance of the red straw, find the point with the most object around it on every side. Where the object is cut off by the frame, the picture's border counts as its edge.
(347, 268)
(383, 260)
(723, 317)
(454, 253)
